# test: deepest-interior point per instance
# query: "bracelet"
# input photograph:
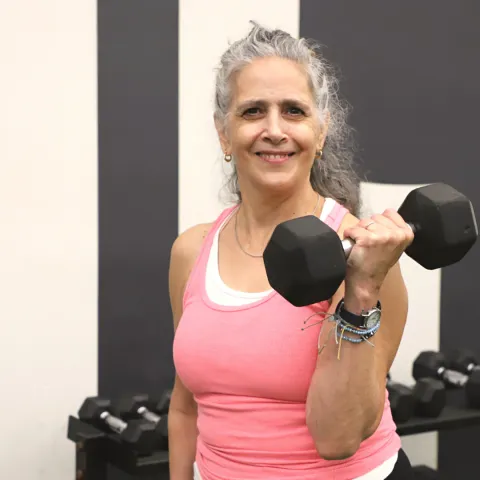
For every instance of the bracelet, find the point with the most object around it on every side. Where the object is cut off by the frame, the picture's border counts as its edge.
(364, 334)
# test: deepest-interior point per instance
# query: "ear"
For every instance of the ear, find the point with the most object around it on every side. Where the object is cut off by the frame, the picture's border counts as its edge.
(222, 136)
(323, 131)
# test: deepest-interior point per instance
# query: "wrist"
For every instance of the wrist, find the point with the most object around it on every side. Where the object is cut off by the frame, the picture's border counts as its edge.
(360, 299)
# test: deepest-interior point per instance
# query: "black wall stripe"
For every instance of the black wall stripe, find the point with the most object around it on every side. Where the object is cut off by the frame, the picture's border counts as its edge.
(411, 73)
(138, 191)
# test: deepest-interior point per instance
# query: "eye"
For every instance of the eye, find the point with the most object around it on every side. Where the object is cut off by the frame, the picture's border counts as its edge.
(252, 111)
(295, 111)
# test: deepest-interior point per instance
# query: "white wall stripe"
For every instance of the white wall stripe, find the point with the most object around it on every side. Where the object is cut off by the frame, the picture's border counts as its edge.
(48, 214)
(422, 331)
(206, 28)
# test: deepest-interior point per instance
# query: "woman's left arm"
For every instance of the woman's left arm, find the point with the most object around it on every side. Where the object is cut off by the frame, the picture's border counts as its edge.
(347, 393)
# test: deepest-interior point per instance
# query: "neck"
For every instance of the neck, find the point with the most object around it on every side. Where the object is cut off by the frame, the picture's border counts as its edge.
(258, 215)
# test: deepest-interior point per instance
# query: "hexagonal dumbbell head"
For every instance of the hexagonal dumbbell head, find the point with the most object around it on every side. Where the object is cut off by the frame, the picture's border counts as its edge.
(161, 432)
(401, 401)
(430, 397)
(472, 389)
(305, 261)
(427, 364)
(163, 403)
(127, 406)
(92, 408)
(462, 360)
(444, 223)
(140, 435)
(422, 472)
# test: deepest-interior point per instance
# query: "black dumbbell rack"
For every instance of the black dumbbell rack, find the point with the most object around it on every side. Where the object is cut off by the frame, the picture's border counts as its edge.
(96, 450)
(456, 414)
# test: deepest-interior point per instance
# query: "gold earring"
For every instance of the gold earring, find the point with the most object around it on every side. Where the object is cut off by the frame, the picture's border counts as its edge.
(318, 154)
(228, 158)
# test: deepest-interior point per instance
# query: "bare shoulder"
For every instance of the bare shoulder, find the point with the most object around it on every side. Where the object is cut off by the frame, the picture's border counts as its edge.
(187, 245)
(183, 254)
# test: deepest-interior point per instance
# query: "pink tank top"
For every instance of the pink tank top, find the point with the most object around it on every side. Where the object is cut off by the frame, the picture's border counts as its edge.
(249, 368)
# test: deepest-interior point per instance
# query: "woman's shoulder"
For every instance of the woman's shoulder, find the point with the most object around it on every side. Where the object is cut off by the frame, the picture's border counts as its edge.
(184, 253)
(187, 245)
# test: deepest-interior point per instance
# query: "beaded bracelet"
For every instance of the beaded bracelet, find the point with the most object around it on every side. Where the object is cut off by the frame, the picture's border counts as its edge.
(364, 334)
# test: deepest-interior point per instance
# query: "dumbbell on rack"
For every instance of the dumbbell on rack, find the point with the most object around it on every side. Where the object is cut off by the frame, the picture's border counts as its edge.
(422, 472)
(434, 365)
(141, 406)
(140, 435)
(306, 260)
(464, 361)
(427, 398)
(402, 403)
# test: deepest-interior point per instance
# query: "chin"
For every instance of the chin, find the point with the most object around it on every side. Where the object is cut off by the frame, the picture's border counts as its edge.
(278, 182)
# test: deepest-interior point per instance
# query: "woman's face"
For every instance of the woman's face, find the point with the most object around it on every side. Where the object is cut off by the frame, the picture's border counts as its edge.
(273, 130)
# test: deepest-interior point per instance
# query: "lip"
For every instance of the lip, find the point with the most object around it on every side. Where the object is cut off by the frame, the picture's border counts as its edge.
(275, 161)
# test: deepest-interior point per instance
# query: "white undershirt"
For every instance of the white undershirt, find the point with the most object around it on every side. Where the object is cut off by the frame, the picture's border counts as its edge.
(222, 294)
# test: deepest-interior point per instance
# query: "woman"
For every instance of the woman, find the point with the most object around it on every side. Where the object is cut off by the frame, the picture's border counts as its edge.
(257, 395)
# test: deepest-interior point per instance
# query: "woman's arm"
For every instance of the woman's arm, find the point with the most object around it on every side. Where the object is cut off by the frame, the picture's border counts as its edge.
(346, 397)
(182, 414)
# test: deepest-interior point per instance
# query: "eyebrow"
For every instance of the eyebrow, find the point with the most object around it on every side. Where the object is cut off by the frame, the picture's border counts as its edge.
(262, 103)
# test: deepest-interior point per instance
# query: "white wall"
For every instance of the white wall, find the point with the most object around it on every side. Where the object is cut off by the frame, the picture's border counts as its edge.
(206, 29)
(48, 230)
(422, 331)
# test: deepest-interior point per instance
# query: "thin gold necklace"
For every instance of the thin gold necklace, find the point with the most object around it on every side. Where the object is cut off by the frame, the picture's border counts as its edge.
(261, 255)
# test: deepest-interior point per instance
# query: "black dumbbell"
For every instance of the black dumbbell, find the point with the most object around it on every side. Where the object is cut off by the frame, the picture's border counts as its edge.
(422, 472)
(139, 434)
(163, 403)
(306, 261)
(402, 403)
(140, 406)
(434, 365)
(462, 360)
(427, 398)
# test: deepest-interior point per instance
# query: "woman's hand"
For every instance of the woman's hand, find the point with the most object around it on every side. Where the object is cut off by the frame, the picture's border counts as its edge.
(379, 240)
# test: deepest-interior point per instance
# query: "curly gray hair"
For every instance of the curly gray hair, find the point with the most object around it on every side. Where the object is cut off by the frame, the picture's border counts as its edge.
(333, 175)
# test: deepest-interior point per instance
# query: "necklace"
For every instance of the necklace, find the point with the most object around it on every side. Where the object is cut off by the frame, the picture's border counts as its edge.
(261, 256)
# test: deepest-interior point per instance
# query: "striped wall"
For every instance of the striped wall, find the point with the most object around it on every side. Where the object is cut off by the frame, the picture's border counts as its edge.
(108, 151)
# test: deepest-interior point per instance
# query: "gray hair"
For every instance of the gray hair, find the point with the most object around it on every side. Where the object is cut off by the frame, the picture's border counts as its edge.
(331, 176)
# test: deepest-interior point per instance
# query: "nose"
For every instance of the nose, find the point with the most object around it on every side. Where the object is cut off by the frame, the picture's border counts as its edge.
(274, 129)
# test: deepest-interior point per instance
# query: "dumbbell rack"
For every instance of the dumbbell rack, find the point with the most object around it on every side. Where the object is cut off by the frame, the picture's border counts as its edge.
(456, 414)
(96, 450)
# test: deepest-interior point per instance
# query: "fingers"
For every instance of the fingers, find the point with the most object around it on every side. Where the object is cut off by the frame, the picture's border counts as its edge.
(388, 227)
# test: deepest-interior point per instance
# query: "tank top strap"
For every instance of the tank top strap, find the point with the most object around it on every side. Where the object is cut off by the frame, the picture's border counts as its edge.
(197, 275)
(200, 264)
(336, 216)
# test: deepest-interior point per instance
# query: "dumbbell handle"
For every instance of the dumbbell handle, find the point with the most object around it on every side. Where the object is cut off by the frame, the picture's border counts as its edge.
(148, 415)
(116, 424)
(472, 367)
(452, 377)
(348, 243)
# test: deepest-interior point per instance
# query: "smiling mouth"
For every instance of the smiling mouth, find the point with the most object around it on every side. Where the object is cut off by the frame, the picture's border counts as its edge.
(274, 157)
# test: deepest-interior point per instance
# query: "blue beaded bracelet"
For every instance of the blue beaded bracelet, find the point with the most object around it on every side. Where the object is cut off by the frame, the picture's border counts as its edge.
(364, 334)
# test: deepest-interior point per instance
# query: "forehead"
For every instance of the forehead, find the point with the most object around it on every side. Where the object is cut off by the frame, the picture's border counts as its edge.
(272, 79)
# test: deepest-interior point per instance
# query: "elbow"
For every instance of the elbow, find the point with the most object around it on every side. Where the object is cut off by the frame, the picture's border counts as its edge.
(346, 447)
(342, 451)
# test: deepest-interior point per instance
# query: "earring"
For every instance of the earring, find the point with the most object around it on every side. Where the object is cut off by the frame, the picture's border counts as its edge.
(227, 158)
(318, 154)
